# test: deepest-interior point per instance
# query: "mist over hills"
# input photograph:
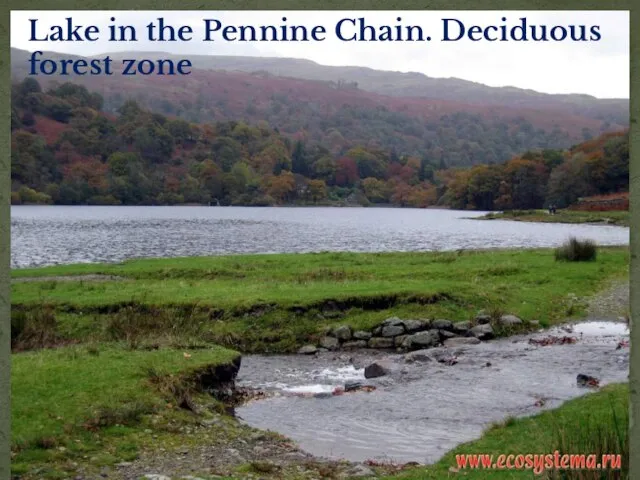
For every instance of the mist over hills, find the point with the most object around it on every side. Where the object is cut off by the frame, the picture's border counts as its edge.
(450, 121)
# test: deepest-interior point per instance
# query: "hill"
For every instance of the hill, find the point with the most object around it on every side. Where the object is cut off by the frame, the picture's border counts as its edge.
(67, 150)
(413, 84)
(339, 114)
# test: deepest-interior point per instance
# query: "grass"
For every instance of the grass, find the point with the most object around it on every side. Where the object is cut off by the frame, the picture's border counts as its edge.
(118, 379)
(595, 423)
(77, 402)
(575, 250)
(276, 303)
(619, 218)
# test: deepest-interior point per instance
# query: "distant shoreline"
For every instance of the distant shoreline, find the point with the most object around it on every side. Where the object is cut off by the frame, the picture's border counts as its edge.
(618, 218)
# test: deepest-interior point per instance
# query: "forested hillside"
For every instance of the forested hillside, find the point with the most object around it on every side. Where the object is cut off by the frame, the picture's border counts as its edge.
(67, 150)
(340, 115)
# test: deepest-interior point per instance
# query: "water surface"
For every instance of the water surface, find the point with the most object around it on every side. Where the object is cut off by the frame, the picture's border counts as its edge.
(51, 235)
(427, 408)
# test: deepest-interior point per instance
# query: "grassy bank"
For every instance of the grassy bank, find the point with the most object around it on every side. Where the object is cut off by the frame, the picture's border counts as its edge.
(275, 303)
(135, 340)
(92, 404)
(619, 218)
(596, 423)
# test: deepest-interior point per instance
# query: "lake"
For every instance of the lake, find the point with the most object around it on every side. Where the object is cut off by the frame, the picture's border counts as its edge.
(53, 235)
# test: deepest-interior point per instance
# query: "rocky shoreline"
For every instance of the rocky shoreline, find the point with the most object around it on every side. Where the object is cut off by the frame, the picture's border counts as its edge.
(409, 334)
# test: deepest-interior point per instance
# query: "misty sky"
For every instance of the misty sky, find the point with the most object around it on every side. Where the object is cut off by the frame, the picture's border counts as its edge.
(598, 68)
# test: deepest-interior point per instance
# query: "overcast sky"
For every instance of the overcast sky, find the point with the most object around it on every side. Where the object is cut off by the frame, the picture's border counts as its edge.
(597, 68)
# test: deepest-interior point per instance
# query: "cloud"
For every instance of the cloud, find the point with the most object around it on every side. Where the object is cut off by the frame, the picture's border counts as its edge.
(599, 68)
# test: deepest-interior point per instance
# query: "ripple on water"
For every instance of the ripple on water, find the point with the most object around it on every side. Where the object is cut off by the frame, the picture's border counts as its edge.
(430, 408)
(59, 235)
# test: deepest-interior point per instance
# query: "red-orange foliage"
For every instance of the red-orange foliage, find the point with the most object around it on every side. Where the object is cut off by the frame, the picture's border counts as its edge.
(346, 172)
(602, 203)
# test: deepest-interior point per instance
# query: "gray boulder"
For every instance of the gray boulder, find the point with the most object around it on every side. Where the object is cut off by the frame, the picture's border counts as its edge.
(482, 332)
(461, 327)
(362, 335)
(343, 332)
(442, 324)
(509, 320)
(430, 338)
(330, 343)
(392, 330)
(380, 342)
(399, 340)
(424, 355)
(392, 321)
(444, 334)
(355, 344)
(415, 325)
(308, 350)
(378, 369)
(352, 386)
(458, 341)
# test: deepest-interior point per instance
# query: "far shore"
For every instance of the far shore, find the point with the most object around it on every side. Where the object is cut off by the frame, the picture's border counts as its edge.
(613, 217)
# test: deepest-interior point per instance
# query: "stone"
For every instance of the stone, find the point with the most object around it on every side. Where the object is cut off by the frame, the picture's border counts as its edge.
(308, 350)
(362, 335)
(392, 330)
(415, 325)
(430, 338)
(483, 319)
(392, 321)
(442, 324)
(509, 320)
(355, 344)
(380, 342)
(587, 380)
(155, 476)
(419, 356)
(351, 386)
(534, 323)
(461, 327)
(399, 340)
(458, 341)
(482, 332)
(358, 471)
(377, 369)
(323, 395)
(444, 334)
(330, 343)
(377, 330)
(343, 332)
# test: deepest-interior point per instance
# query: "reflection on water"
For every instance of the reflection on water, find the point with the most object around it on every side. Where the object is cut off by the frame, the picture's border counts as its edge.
(45, 235)
(428, 408)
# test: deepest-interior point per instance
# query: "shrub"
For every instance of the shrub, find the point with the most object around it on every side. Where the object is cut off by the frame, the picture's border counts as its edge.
(576, 250)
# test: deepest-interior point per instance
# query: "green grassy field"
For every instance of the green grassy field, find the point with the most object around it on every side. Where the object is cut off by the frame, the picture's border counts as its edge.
(73, 403)
(275, 303)
(619, 218)
(595, 423)
(119, 369)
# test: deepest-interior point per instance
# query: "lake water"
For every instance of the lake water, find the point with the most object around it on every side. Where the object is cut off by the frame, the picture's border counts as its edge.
(51, 235)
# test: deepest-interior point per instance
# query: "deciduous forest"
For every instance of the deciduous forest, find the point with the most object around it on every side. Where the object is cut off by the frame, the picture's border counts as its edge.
(66, 149)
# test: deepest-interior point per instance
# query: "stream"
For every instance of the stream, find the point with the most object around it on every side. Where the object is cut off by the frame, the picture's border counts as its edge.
(425, 407)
